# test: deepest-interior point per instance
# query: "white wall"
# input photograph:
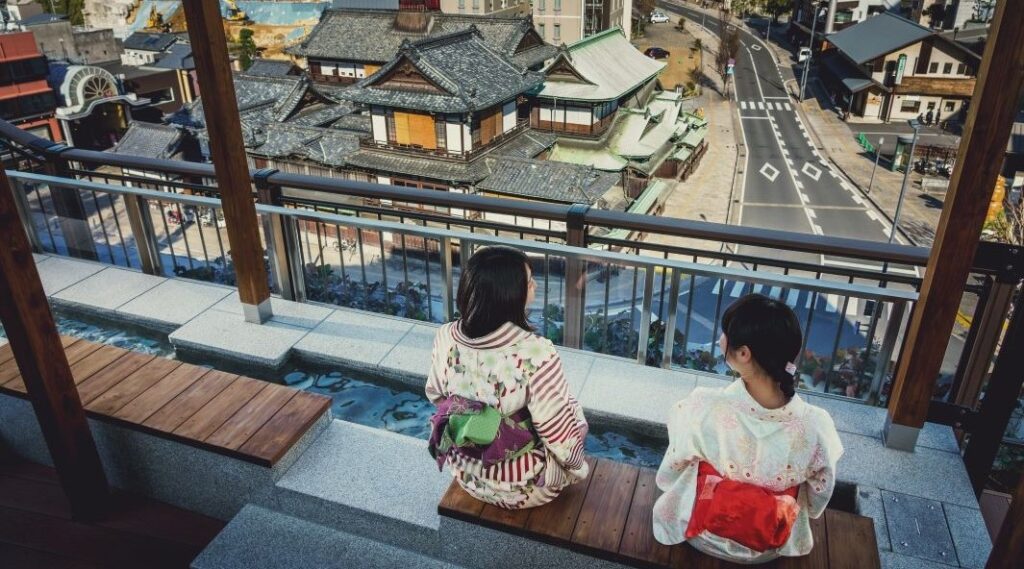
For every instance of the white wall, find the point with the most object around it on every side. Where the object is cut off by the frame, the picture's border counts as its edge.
(508, 116)
(379, 125)
(453, 136)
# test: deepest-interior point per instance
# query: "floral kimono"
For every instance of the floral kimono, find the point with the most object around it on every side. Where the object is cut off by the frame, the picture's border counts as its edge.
(741, 482)
(538, 448)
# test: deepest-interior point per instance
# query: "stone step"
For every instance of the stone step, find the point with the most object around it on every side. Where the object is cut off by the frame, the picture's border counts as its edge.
(259, 538)
(367, 482)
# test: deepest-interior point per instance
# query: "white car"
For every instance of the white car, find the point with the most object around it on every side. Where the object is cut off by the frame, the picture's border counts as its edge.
(803, 54)
(659, 18)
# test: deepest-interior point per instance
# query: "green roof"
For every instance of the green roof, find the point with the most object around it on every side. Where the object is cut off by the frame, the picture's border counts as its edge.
(695, 136)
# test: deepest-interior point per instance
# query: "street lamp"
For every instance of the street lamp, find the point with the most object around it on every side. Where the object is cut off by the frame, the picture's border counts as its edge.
(906, 179)
(810, 54)
(878, 152)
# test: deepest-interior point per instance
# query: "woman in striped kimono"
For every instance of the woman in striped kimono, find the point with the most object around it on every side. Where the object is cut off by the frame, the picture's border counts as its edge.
(506, 425)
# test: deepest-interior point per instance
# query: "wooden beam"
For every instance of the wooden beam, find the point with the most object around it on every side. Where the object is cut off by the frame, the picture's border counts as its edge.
(1008, 549)
(223, 124)
(979, 160)
(37, 348)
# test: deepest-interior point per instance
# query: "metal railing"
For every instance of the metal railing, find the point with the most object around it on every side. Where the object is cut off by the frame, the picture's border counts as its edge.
(623, 301)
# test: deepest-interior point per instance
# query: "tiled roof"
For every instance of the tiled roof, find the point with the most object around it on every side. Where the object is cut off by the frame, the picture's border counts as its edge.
(355, 123)
(271, 68)
(876, 36)
(322, 145)
(527, 144)
(546, 180)
(41, 18)
(178, 56)
(452, 171)
(149, 42)
(370, 35)
(610, 65)
(148, 141)
(260, 99)
(472, 74)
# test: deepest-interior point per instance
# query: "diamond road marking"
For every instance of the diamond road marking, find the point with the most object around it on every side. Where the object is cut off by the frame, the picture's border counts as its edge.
(811, 171)
(755, 47)
(769, 171)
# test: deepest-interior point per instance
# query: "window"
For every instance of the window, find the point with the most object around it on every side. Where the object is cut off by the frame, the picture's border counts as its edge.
(947, 69)
(961, 69)
(558, 32)
(476, 5)
(910, 106)
(949, 107)
(159, 97)
(558, 5)
(462, 4)
(540, 30)
(934, 67)
(541, 5)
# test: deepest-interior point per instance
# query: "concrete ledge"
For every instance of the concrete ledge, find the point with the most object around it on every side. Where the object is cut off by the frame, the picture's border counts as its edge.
(259, 538)
(172, 472)
(369, 482)
(58, 273)
(227, 335)
(105, 290)
(172, 303)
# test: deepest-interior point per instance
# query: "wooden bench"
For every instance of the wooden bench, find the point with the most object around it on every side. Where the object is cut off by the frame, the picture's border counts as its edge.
(237, 416)
(608, 516)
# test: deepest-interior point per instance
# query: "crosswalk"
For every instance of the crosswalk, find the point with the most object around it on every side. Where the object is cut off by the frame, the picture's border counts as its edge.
(765, 106)
(794, 298)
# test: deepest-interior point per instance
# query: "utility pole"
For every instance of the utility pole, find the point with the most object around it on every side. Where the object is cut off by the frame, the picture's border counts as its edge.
(810, 54)
(878, 152)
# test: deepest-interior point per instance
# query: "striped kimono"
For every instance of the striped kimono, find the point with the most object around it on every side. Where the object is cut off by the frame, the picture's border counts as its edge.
(512, 369)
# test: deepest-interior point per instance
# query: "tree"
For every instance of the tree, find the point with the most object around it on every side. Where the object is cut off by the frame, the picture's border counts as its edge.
(776, 8)
(936, 14)
(729, 46)
(1006, 216)
(698, 46)
(73, 9)
(247, 48)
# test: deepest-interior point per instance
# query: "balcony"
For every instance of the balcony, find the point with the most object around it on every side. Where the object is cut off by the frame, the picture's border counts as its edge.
(419, 150)
(139, 250)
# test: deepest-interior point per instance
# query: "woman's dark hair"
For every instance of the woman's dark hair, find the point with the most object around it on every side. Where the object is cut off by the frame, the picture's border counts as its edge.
(492, 291)
(770, 330)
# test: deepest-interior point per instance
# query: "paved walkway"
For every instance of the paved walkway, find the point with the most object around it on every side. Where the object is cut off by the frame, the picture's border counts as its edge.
(707, 194)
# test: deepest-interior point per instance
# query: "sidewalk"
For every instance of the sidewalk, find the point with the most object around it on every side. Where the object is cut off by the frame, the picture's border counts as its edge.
(708, 193)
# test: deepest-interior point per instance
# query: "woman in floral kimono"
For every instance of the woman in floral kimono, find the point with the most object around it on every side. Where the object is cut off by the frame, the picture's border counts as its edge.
(505, 422)
(748, 465)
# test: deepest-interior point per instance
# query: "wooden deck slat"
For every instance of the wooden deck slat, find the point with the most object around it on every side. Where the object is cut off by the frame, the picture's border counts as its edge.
(111, 376)
(10, 376)
(142, 379)
(17, 557)
(637, 538)
(558, 518)
(685, 557)
(33, 496)
(253, 415)
(994, 507)
(286, 427)
(149, 402)
(853, 545)
(218, 410)
(179, 409)
(606, 506)
(458, 504)
(86, 367)
(515, 519)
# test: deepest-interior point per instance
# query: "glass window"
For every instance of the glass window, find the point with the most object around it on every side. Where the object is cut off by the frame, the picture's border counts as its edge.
(933, 67)
(540, 30)
(961, 69)
(541, 5)
(558, 5)
(950, 106)
(910, 106)
(462, 4)
(476, 4)
(558, 32)
(947, 68)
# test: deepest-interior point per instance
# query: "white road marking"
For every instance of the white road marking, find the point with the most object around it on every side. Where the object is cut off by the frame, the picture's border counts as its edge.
(811, 171)
(817, 229)
(743, 105)
(803, 198)
(831, 302)
(782, 143)
(799, 185)
(758, 288)
(792, 297)
(755, 47)
(776, 292)
(857, 199)
(811, 213)
(769, 171)
(790, 162)
(737, 290)
(760, 105)
(752, 117)
(718, 287)
(872, 215)
(810, 299)
(788, 108)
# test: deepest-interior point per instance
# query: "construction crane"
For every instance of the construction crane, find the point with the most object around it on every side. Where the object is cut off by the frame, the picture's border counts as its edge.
(235, 14)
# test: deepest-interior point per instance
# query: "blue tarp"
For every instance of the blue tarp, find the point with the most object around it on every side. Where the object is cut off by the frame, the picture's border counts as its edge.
(279, 13)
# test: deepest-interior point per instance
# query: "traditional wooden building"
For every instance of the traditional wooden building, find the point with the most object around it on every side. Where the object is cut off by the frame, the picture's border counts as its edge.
(890, 68)
(588, 81)
(349, 45)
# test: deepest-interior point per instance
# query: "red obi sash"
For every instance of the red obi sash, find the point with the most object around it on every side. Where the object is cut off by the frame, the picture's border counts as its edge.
(745, 513)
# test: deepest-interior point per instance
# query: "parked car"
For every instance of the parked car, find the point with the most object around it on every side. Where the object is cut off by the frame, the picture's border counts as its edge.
(803, 54)
(656, 53)
(659, 18)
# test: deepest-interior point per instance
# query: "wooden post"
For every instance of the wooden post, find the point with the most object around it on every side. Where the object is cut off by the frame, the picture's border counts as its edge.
(209, 48)
(37, 349)
(1008, 549)
(979, 160)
